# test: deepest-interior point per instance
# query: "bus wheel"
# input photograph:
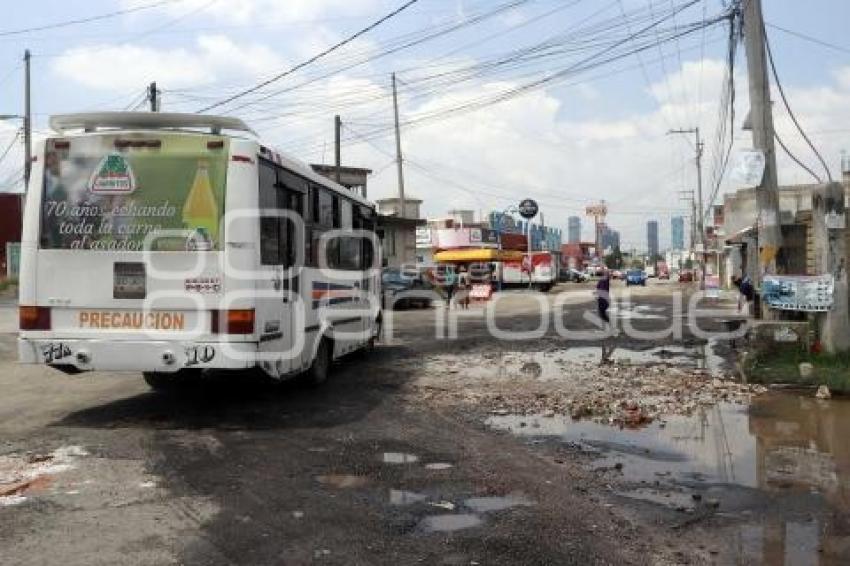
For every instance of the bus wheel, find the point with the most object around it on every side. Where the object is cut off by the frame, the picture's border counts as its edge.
(321, 367)
(162, 381)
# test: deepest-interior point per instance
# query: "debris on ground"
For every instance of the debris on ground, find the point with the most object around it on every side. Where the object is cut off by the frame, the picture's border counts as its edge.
(618, 392)
(21, 474)
(823, 392)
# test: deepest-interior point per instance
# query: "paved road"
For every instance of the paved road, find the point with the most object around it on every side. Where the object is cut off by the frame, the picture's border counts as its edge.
(362, 471)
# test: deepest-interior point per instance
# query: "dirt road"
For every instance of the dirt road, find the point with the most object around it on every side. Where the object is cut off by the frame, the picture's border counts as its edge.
(390, 463)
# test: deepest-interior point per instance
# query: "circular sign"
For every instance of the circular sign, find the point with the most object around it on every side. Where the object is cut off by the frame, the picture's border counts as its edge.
(528, 208)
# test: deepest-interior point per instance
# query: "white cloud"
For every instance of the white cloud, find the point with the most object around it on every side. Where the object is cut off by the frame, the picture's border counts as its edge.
(121, 67)
(266, 11)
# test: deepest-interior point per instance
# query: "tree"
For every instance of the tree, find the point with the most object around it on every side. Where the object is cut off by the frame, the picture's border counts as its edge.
(614, 260)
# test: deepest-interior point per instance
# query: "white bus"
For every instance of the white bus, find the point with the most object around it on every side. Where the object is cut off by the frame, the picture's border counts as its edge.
(155, 242)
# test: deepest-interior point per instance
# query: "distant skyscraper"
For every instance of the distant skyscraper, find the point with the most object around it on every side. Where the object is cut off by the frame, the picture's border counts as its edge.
(652, 238)
(573, 229)
(677, 233)
(610, 239)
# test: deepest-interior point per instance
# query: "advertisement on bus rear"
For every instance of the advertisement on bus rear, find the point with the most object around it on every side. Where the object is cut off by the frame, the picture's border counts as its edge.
(115, 192)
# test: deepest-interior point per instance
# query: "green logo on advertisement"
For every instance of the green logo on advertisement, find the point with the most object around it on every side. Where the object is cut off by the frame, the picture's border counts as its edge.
(113, 176)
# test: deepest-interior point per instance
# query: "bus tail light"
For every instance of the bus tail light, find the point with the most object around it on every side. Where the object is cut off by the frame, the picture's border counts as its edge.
(34, 318)
(240, 321)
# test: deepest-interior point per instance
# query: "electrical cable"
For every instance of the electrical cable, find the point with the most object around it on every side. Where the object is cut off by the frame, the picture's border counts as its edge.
(794, 157)
(788, 108)
(810, 38)
(9, 147)
(88, 19)
(312, 59)
(406, 44)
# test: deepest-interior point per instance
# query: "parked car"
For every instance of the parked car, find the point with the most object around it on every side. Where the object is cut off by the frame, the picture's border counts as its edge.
(617, 274)
(395, 282)
(686, 276)
(635, 277)
(573, 276)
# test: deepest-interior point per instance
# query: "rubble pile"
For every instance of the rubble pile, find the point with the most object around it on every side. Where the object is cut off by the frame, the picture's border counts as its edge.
(617, 392)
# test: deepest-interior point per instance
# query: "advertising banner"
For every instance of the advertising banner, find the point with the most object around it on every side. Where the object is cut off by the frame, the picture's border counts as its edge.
(798, 292)
(109, 193)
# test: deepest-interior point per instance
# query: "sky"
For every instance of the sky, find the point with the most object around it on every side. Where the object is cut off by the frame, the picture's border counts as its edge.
(595, 130)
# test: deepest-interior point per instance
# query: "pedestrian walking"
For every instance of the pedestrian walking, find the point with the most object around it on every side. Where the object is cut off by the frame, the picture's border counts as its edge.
(603, 289)
(747, 290)
(464, 284)
(451, 284)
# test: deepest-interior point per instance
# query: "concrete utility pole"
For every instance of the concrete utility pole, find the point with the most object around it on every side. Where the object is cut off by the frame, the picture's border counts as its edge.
(689, 196)
(399, 160)
(337, 149)
(153, 97)
(27, 122)
(761, 116)
(829, 225)
(698, 211)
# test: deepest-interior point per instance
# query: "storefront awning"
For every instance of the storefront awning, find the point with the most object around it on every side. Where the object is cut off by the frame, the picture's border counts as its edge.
(472, 255)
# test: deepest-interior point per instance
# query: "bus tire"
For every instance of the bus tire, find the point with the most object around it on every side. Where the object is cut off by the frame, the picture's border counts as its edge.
(159, 381)
(321, 366)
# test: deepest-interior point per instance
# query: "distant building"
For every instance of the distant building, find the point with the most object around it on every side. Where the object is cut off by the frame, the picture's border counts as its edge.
(10, 233)
(677, 233)
(352, 178)
(398, 231)
(464, 217)
(608, 239)
(652, 238)
(573, 230)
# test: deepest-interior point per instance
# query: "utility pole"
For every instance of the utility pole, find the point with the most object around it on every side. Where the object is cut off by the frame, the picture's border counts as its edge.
(27, 122)
(689, 196)
(337, 149)
(698, 210)
(153, 97)
(399, 160)
(761, 116)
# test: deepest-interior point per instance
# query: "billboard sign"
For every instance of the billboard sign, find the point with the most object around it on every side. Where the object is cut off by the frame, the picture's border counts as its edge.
(528, 208)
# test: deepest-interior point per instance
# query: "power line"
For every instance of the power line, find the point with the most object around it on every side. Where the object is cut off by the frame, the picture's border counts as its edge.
(791, 112)
(795, 159)
(404, 44)
(810, 38)
(584, 64)
(9, 147)
(312, 59)
(86, 20)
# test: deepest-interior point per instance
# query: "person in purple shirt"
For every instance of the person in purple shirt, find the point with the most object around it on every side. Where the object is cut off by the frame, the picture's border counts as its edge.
(602, 296)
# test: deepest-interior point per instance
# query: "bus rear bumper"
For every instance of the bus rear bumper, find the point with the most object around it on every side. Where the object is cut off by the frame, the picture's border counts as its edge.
(120, 355)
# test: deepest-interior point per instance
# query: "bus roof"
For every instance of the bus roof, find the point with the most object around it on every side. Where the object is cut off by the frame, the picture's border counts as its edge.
(91, 121)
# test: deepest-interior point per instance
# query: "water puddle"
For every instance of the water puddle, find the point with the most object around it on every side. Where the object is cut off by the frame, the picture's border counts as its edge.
(343, 481)
(637, 312)
(401, 497)
(497, 503)
(399, 458)
(782, 467)
(449, 523)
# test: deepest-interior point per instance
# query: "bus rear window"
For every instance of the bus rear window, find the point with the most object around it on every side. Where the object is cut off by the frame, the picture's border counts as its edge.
(163, 191)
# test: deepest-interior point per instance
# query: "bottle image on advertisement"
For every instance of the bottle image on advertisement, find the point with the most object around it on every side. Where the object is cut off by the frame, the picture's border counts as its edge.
(200, 211)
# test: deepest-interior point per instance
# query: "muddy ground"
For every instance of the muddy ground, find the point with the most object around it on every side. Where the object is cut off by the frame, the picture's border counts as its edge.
(434, 451)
